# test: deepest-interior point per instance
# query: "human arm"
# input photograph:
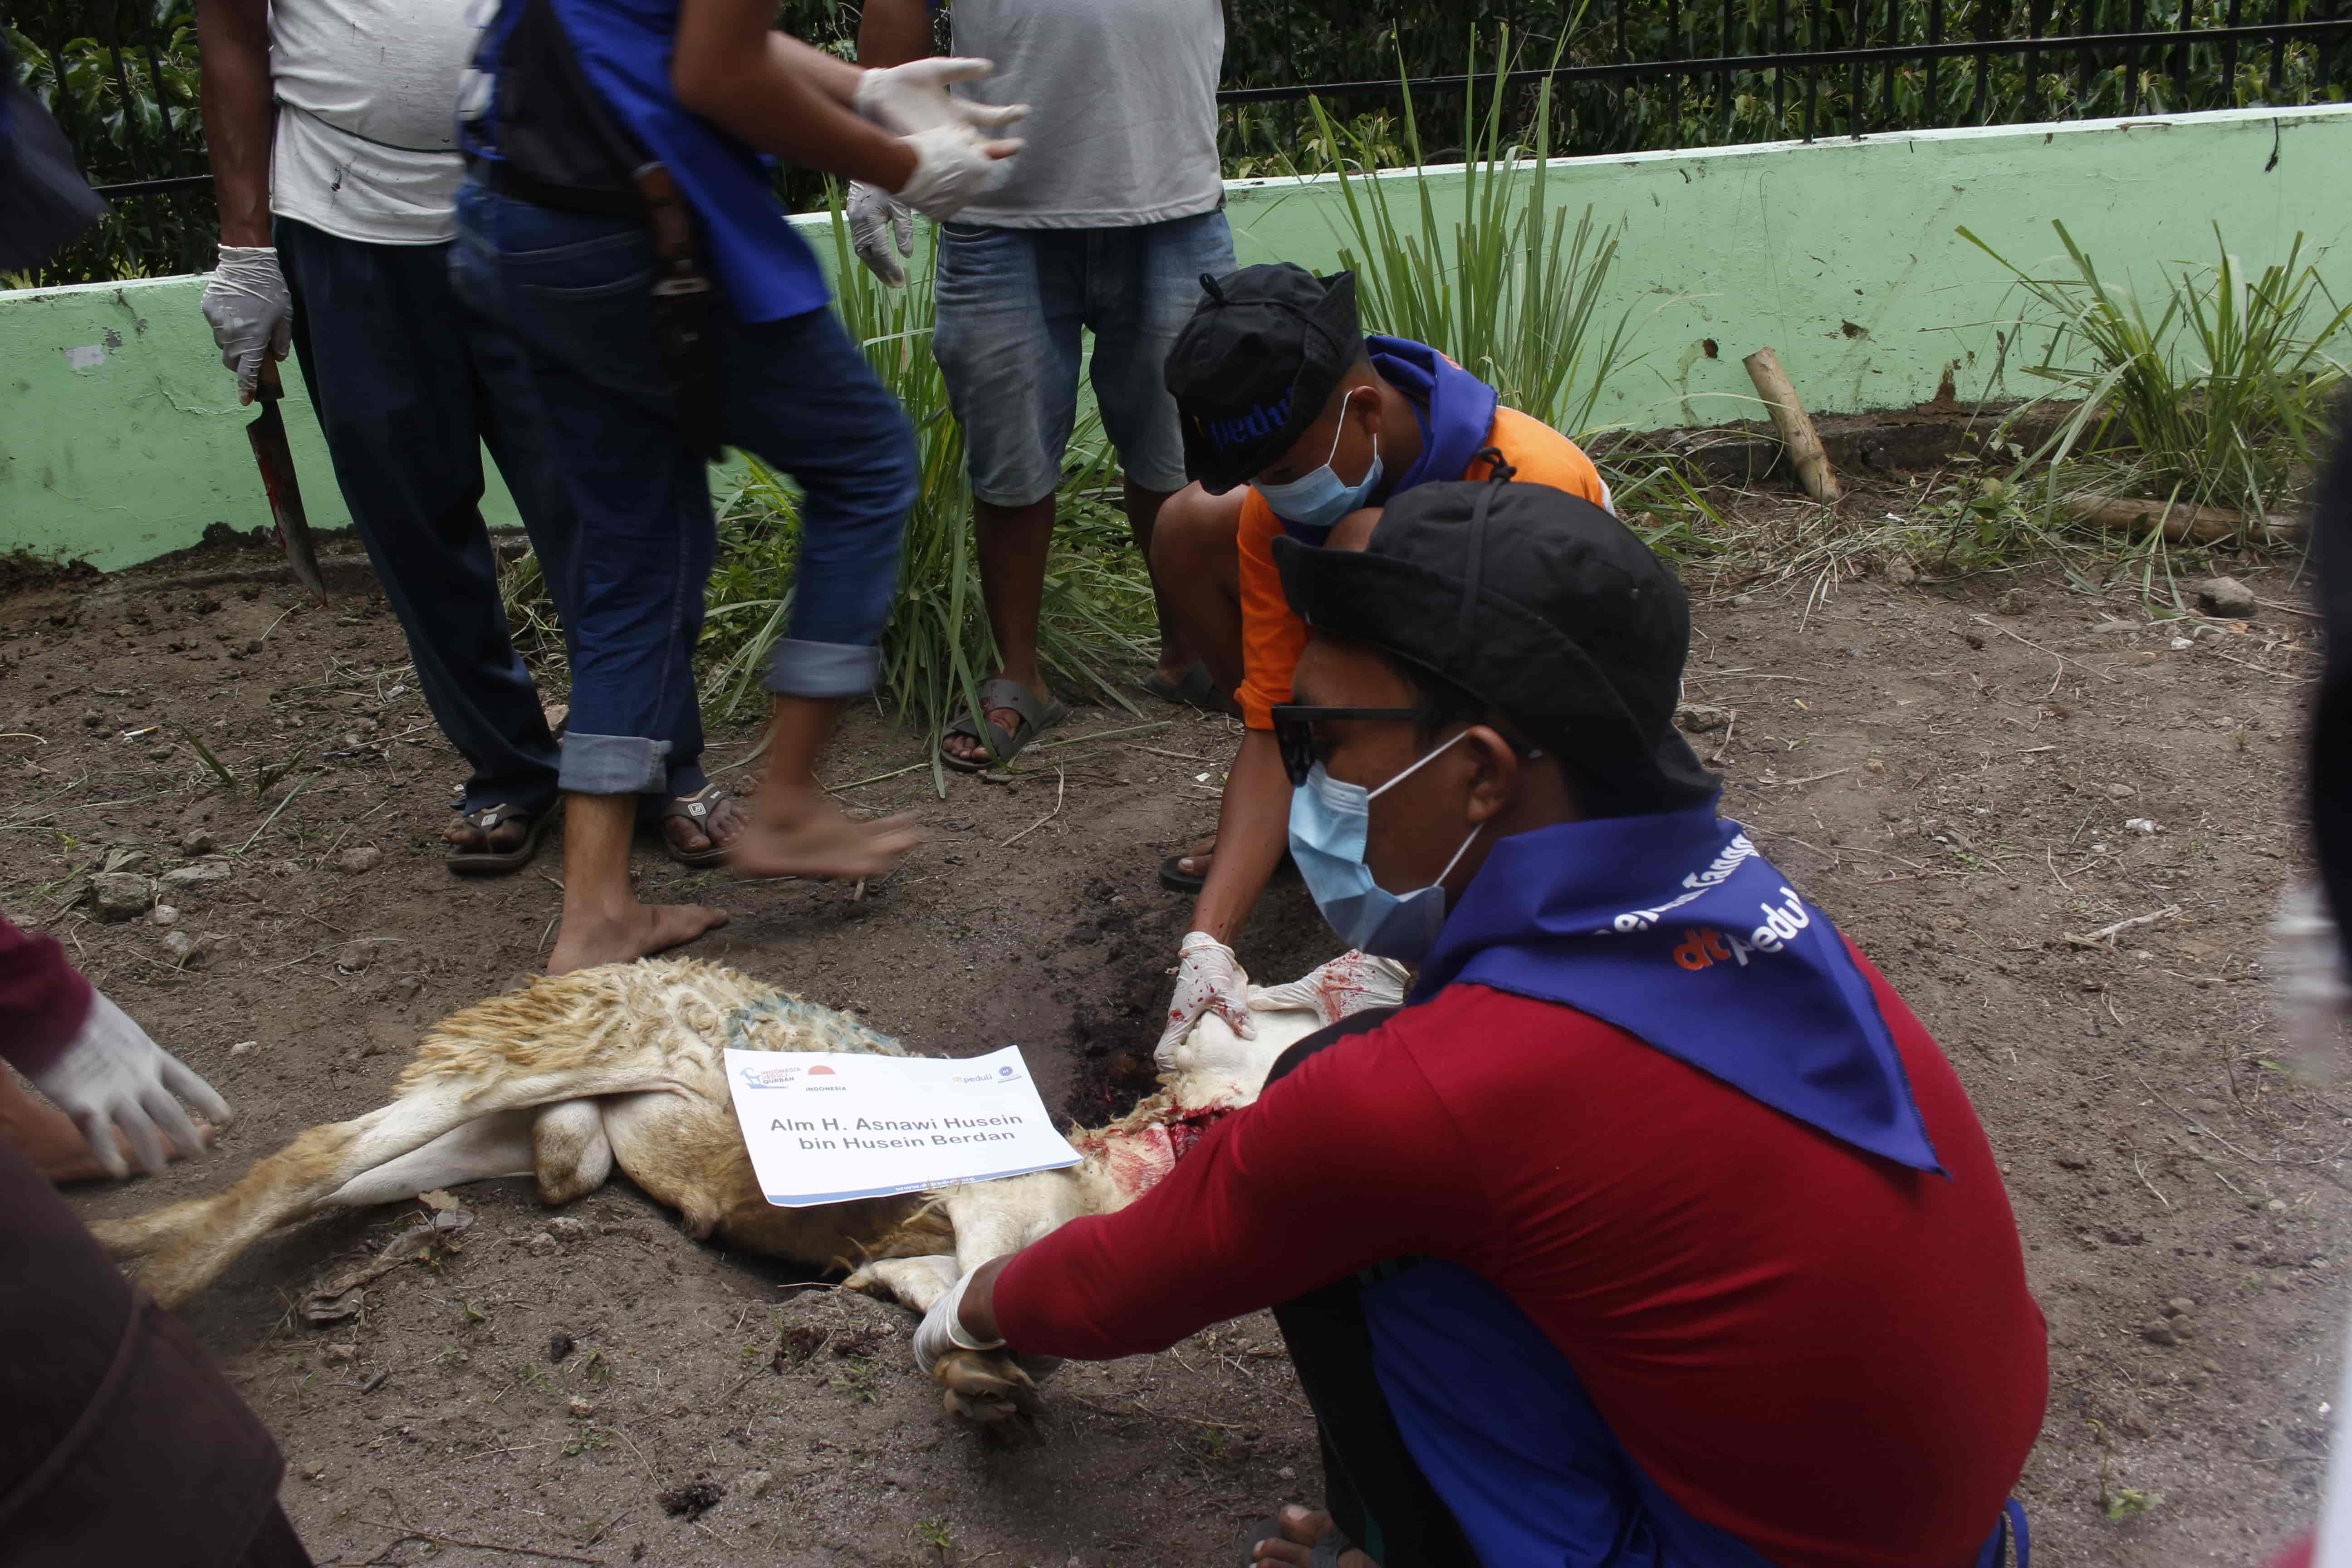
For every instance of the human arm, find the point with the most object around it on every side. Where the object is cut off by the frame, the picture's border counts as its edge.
(247, 301)
(43, 999)
(774, 97)
(1349, 1158)
(233, 60)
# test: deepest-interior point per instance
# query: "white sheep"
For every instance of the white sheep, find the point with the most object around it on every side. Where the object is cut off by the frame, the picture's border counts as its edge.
(623, 1065)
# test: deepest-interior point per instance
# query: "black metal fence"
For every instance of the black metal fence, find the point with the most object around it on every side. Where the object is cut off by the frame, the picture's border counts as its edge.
(121, 76)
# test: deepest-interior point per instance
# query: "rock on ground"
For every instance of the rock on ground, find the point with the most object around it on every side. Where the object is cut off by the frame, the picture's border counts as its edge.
(2227, 597)
(121, 895)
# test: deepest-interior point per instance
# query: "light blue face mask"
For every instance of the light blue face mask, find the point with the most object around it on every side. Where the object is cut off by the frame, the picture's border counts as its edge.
(1319, 500)
(1328, 820)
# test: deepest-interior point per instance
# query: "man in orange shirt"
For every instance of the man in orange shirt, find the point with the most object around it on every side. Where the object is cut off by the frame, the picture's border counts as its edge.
(1293, 418)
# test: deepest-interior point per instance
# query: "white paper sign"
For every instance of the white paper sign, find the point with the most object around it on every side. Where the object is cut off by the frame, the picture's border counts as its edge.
(825, 1127)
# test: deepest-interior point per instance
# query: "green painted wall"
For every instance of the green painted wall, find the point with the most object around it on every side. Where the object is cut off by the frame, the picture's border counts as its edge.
(119, 432)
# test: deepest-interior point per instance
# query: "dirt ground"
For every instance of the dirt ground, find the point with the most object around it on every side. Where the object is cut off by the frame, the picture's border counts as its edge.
(1953, 775)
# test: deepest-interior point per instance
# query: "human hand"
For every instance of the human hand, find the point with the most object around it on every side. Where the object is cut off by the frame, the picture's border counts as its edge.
(250, 312)
(113, 1075)
(954, 168)
(1209, 979)
(878, 221)
(1347, 984)
(905, 99)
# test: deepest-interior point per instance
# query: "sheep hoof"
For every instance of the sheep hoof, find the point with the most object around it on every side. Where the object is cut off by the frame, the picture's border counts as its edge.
(985, 1388)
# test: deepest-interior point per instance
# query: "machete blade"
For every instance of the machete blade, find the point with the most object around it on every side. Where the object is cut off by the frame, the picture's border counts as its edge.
(267, 435)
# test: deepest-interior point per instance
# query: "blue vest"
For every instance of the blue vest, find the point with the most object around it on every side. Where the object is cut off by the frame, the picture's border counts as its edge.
(1673, 928)
(624, 49)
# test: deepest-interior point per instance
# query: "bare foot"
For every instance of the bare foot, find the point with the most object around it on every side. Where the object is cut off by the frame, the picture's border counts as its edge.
(588, 940)
(49, 1138)
(1301, 1528)
(801, 833)
(727, 819)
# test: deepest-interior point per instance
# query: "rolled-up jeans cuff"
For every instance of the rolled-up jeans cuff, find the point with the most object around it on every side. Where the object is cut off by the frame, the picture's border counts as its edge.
(612, 764)
(822, 668)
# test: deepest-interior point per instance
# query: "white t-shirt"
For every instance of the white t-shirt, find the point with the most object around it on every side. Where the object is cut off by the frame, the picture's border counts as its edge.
(1123, 96)
(367, 139)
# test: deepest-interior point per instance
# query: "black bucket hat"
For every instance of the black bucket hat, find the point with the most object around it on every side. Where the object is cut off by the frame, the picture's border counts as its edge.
(1538, 603)
(1252, 368)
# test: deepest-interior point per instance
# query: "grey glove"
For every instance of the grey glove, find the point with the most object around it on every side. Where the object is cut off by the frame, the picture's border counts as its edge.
(878, 222)
(250, 312)
(114, 1076)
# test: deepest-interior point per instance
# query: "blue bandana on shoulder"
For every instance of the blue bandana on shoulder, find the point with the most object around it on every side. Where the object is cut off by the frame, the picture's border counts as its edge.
(1457, 417)
(1673, 929)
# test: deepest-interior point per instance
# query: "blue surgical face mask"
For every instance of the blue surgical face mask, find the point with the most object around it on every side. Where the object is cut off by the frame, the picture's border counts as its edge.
(1319, 500)
(1329, 821)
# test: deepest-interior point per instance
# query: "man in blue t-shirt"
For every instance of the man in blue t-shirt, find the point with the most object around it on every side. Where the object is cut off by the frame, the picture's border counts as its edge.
(563, 238)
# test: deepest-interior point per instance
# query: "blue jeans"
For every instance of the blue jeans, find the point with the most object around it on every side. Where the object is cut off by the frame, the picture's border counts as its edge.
(573, 290)
(406, 403)
(1012, 302)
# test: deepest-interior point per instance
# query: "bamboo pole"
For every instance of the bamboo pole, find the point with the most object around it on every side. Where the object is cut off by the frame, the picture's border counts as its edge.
(2182, 523)
(1797, 432)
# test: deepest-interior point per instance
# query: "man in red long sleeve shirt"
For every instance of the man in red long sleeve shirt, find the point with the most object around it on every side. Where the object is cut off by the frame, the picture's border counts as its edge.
(1654, 1229)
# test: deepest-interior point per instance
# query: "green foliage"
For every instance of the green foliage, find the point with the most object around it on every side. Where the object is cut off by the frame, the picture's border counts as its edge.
(119, 78)
(1509, 290)
(2208, 389)
(1513, 290)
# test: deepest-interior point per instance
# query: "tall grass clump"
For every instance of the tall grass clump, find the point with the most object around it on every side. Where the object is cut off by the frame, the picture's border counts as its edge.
(937, 647)
(1515, 289)
(2208, 389)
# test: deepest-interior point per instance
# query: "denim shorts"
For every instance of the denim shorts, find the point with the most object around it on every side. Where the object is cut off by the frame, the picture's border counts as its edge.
(1010, 304)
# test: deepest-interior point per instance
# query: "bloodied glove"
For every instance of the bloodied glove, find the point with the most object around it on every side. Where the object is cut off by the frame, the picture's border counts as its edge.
(1347, 984)
(113, 1075)
(250, 312)
(1209, 979)
(953, 168)
(879, 224)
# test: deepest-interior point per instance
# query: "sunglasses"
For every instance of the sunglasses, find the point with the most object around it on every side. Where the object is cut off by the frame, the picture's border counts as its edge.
(1293, 731)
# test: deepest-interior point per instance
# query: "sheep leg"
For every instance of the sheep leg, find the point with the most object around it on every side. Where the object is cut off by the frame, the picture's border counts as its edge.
(190, 1242)
(570, 1150)
(487, 1146)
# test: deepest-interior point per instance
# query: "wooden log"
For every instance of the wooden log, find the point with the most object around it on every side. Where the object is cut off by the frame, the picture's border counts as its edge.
(1796, 428)
(2183, 523)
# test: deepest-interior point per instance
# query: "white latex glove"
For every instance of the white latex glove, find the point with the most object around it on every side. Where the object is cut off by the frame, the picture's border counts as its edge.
(878, 222)
(2307, 969)
(1349, 984)
(114, 1076)
(250, 312)
(954, 168)
(1209, 979)
(905, 99)
(942, 1332)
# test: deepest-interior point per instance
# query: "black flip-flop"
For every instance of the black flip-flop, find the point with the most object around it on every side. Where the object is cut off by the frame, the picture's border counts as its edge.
(1176, 879)
(501, 862)
(697, 809)
(1036, 717)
